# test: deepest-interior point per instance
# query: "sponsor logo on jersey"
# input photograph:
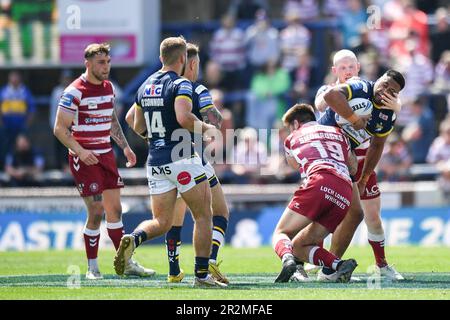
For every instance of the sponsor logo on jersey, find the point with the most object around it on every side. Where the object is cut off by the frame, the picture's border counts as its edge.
(161, 170)
(66, 100)
(378, 127)
(97, 120)
(184, 178)
(92, 105)
(93, 187)
(383, 116)
(153, 90)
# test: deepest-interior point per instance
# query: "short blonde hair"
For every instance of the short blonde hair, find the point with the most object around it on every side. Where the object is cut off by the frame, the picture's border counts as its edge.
(171, 49)
(341, 54)
(96, 48)
(192, 50)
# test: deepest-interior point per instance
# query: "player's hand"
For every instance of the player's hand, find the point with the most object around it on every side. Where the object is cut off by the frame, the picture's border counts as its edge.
(361, 122)
(361, 186)
(131, 157)
(391, 102)
(88, 157)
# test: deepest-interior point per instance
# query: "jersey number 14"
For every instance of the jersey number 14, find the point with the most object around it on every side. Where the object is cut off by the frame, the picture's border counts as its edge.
(155, 125)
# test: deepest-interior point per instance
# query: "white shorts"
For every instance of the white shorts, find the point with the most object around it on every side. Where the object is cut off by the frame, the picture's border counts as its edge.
(210, 175)
(182, 175)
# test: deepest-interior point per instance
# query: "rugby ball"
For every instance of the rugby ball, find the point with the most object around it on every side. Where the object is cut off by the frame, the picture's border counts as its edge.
(360, 106)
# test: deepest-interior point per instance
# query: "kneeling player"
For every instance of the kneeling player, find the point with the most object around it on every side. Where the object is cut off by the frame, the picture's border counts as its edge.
(322, 201)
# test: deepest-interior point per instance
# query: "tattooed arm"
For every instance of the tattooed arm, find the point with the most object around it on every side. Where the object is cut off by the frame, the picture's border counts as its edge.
(119, 138)
(212, 116)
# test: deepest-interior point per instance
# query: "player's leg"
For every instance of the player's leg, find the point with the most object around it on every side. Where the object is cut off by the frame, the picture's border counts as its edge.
(173, 242)
(375, 232)
(114, 225)
(288, 226)
(198, 199)
(221, 215)
(305, 248)
(162, 206)
(91, 234)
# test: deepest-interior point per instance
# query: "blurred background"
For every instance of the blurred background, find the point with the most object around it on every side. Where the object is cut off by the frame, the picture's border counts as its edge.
(258, 57)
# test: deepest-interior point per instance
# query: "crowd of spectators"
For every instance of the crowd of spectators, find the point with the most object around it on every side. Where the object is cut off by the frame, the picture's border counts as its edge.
(256, 72)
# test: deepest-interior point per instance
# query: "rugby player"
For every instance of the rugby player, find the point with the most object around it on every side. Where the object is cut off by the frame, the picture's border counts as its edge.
(368, 145)
(85, 122)
(203, 108)
(321, 202)
(163, 106)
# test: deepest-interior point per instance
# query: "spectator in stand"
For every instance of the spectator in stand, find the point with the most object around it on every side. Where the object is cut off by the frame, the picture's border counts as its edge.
(352, 21)
(228, 50)
(444, 178)
(221, 147)
(213, 75)
(371, 67)
(17, 110)
(395, 161)
(305, 79)
(442, 77)
(24, 164)
(364, 45)
(418, 71)
(262, 42)
(440, 36)
(305, 10)
(250, 155)
(440, 148)
(335, 8)
(267, 100)
(60, 151)
(419, 134)
(246, 9)
(294, 39)
(410, 20)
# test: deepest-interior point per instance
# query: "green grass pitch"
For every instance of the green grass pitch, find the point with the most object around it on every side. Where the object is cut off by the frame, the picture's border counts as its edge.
(45, 275)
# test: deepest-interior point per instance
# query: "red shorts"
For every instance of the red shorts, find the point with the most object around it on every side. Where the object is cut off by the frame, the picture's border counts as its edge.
(323, 198)
(372, 190)
(92, 180)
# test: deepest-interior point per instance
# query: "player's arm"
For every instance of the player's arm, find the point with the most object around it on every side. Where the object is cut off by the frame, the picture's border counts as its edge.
(61, 130)
(352, 163)
(119, 138)
(139, 126)
(129, 118)
(208, 110)
(337, 98)
(185, 117)
(319, 101)
(373, 156)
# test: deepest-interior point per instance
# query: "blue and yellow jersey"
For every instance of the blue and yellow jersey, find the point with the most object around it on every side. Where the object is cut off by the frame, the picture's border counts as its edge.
(382, 120)
(201, 101)
(156, 97)
(15, 105)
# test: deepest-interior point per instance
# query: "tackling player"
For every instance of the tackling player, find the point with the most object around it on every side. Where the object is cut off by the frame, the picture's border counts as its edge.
(321, 202)
(85, 122)
(368, 144)
(163, 105)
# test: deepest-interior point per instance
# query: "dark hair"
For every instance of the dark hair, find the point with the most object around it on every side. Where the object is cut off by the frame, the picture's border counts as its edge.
(397, 76)
(192, 50)
(301, 112)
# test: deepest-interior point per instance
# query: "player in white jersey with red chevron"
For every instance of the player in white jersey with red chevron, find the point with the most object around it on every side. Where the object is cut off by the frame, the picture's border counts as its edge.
(85, 123)
(345, 67)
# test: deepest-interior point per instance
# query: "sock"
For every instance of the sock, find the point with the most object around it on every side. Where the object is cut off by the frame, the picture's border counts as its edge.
(91, 240)
(93, 264)
(115, 232)
(320, 244)
(219, 228)
(139, 237)
(377, 243)
(282, 245)
(173, 243)
(201, 267)
(320, 257)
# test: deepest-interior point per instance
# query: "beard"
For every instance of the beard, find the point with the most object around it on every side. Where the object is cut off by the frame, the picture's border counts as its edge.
(99, 76)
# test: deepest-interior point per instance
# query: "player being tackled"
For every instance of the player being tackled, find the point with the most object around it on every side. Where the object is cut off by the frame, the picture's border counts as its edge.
(321, 202)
